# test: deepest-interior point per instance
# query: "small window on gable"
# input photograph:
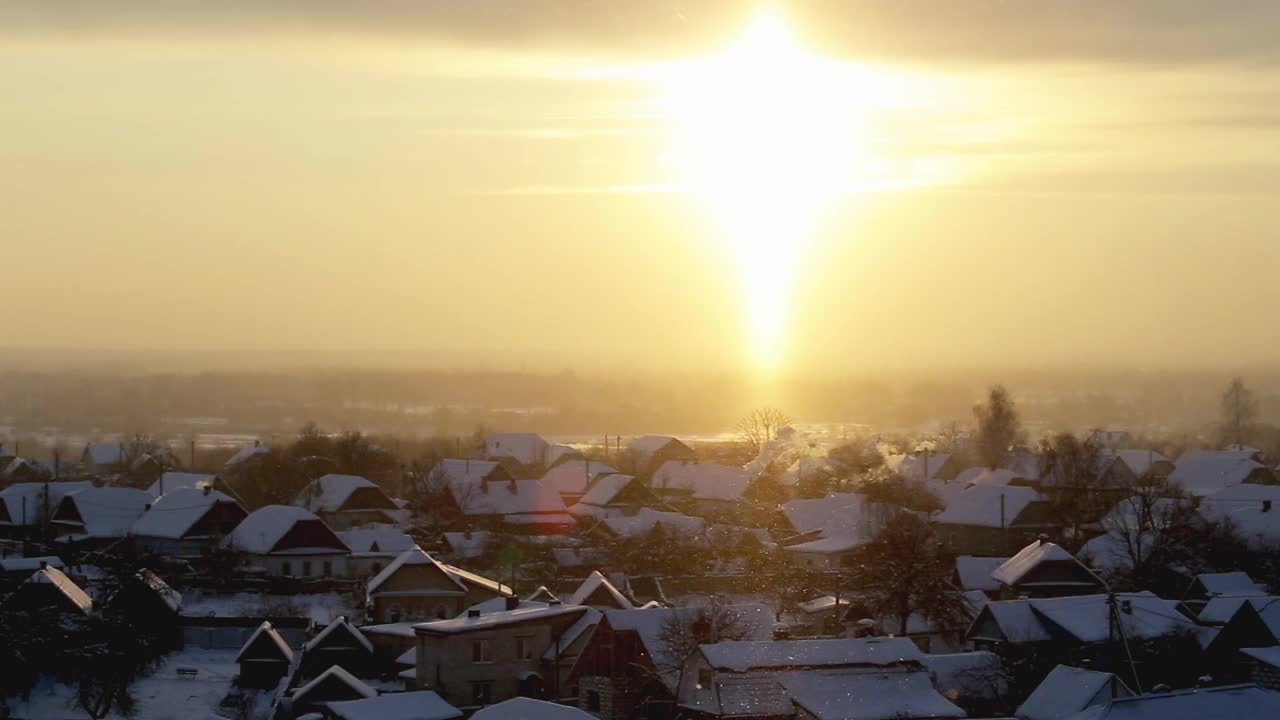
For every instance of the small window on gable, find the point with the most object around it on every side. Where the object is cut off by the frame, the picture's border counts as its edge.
(704, 678)
(286, 568)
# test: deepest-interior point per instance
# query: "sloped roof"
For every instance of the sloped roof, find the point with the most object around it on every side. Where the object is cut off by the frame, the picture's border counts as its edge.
(1013, 570)
(1267, 655)
(464, 623)
(704, 481)
(556, 453)
(1139, 461)
(413, 556)
(29, 564)
(173, 480)
(645, 447)
(595, 582)
(647, 518)
(1067, 690)
(975, 572)
(463, 471)
(55, 577)
(416, 705)
(744, 655)
(264, 528)
(517, 497)
(31, 495)
(869, 696)
(335, 673)
(170, 597)
(605, 488)
(173, 514)
(754, 619)
(1230, 583)
(376, 540)
(809, 514)
(329, 493)
(266, 629)
(522, 708)
(986, 476)
(247, 453)
(1203, 472)
(542, 594)
(1221, 609)
(108, 512)
(922, 466)
(525, 448)
(339, 624)
(1219, 703)
(976, 674)
(1087, 618)
(466, 545)
(980, 506)
(574, 476)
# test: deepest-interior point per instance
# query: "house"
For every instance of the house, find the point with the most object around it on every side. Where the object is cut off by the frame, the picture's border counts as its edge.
(265, 658)
(345, 501)
(1142, 463)
(987, 476)
(1068, 690)
(1044, 569)
(1252, 510)
(520, 453)
(373, 548)
(597, 592)
(487, 495)
(480, 658)
(831, 528)
(557, 454)
(22, 470)
(288, 541)
(452, 472)
(415, 586)
(606, 496)
(138, 457)
(49, 589)
(100, 514)
(1254, 624)
(172, 480)
(647, 519)
(246, 456)
(706, 489)
(523, 708)
(626, 666)
(870, 678)
(976, 681)
(15, 570)
(572, 478)
(340, 643)
(1263, 666)
(930, 634)
(25, 508)
(992, 520)
(185, 522)
(1207, 586)
(468, 544)
(1028, 464)
(1218, 611)
(420, 705)
(822, 615)
(1228, 701)
(649, 452)
(974, 573)
(925, 466)
(332, 685)
(1204, 472)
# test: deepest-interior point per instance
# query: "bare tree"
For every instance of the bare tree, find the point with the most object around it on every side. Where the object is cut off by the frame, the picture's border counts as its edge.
(999, 426)
(1076, 482)
(685, 629)
(761, 425)
(1239, 409)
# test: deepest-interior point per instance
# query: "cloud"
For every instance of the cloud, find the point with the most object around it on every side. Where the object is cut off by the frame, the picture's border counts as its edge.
(1139, 31)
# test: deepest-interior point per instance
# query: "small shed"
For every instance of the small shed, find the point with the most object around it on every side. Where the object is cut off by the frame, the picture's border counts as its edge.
(264, 659)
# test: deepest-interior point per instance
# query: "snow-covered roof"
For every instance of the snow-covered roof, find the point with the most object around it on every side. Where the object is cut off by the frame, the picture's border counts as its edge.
(574, 476)
(975, 572)
(1027, 463)
(869, 696)
(556, 453)
(809, 514)
(1230, 583)
(416, 705)
(115, 453)
(1221, 609)
(376, 540)
(55, 577)
(329, 493)
(755, 620)
(587, 623)
(266, 629)
(108, 512)
(173, 514)
(1217, 703)
(413, 556)
(516, 497)
(1267, 655)
(30, 564)
(1067, 690)
(605, 488)
(170, 597)
(30, 497)
(467, 545)
(542, 594)
(595, 582)
(744, 655)
(525, 448)
(1204, 472)
(643, 448)
(247, 453)
(170, 481)
(986, 476)
(463, 471)
(339, 624)
(1087, 618)
(465, 623)
(980, 506)
(822, 604)
(647, 518)
(522, 708)
(1138, 461)
(703, 481)
(1013, 570)
(337, 673)
(968, 674)
(264, 528)
(922, 466)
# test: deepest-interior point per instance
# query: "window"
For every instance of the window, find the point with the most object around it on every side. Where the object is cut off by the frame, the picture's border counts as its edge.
(376, 567)
(593, 701)
(442, 612)
(704, 678)
(524, 648)
(306, 568)
(480, 651)
(328, 568)
(481, 693)
(286, 568)
(395, 613)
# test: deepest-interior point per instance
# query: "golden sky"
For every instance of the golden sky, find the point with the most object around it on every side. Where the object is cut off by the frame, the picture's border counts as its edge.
(901, 184)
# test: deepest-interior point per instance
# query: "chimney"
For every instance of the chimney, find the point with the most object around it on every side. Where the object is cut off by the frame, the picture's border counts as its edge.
(44, 564)
(1126, 607)
(146, 507)
(1266, 506)
(513, 602)
(206, 490)
(473, 613)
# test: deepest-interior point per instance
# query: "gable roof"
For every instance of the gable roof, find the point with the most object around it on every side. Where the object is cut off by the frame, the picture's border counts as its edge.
(529, 612)
(170, 597)
(975, 572)
(1082, 618)
(1138, 461)
(383, 540)
(525, 448)
(643, 448)
(515, 497)
(467, 545)
(464, 471)
(703, 481)
(414, 556)
(754, 619)
(1229, 584)
(868, 696)
(416, 705)
(261, 532)
(64, 585)
(30, 497)
(108, 512)
(986, 476)
(1203, 472)
(1013, 570)
(338, 625)
(573, 477)
(744, 655)
(522, 708)
(247, 453)
(335, 674)
(172, 480)
(809, 514)
(267, 633)
(922, 466)
(980, 506)
(541, 594)
(1067, 690)
(647, 518)
(330, 493)
(558, 453)
(598, 586)
(605, 488)
(1218, 703)
(175, 513)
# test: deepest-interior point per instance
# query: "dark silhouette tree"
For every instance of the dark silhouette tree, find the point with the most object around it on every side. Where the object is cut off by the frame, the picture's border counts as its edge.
(903, 571)
(999, 427)
(1239, 410)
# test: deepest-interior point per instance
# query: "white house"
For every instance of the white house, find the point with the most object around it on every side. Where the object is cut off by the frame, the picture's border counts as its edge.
(288, 541)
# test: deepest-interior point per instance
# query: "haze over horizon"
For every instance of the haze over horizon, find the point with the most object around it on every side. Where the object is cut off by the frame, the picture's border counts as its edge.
(525, 184)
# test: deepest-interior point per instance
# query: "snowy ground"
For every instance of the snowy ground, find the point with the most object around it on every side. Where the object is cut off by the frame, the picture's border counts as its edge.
(162, 695)
(321, 608)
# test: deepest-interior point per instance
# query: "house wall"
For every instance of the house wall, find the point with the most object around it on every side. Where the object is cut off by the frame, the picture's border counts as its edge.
(347, 519)
(985, 541)
(689, 694)
(445, 661)
(614, 698)
(823, 562)
(437, 593)
(171, 547)
(275, 564)
(1260, 673)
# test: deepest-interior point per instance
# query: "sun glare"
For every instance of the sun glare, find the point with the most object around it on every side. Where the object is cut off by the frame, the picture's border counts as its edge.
(767, 134)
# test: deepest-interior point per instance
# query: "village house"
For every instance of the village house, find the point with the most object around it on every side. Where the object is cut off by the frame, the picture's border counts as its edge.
(373, 548)
(332, 685)
(173, 479)
(467, 544)
(1227, 701)
(23, 470)
(247, 455)
(140, 458)
(1142, 463)
(98, 515)
(987, 476)
(522, 708)
(925, 466)
(420, 705)
(647, 453)
(15, 570)
(708, 490)
(1252, 510)
(186, 522)
(1044, 569)
(626, 669)
(1207, 586)
(1254, 624)
(871, 678)
(646, 520)
(597, 592)
(829, 529)
(488, 496)
(264, 659)
(416, 587)
(607, 496)
(49, 589)
(340, 643)
(480, 658)
(1204, 472)
(1068, 690)
(991, 520)
(288, 541)
(345, 501)
(974, 573)
(523, 454)
(25, 508)
(572, 478)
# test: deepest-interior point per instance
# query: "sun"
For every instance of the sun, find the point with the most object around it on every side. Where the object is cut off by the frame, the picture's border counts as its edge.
(767, 135)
